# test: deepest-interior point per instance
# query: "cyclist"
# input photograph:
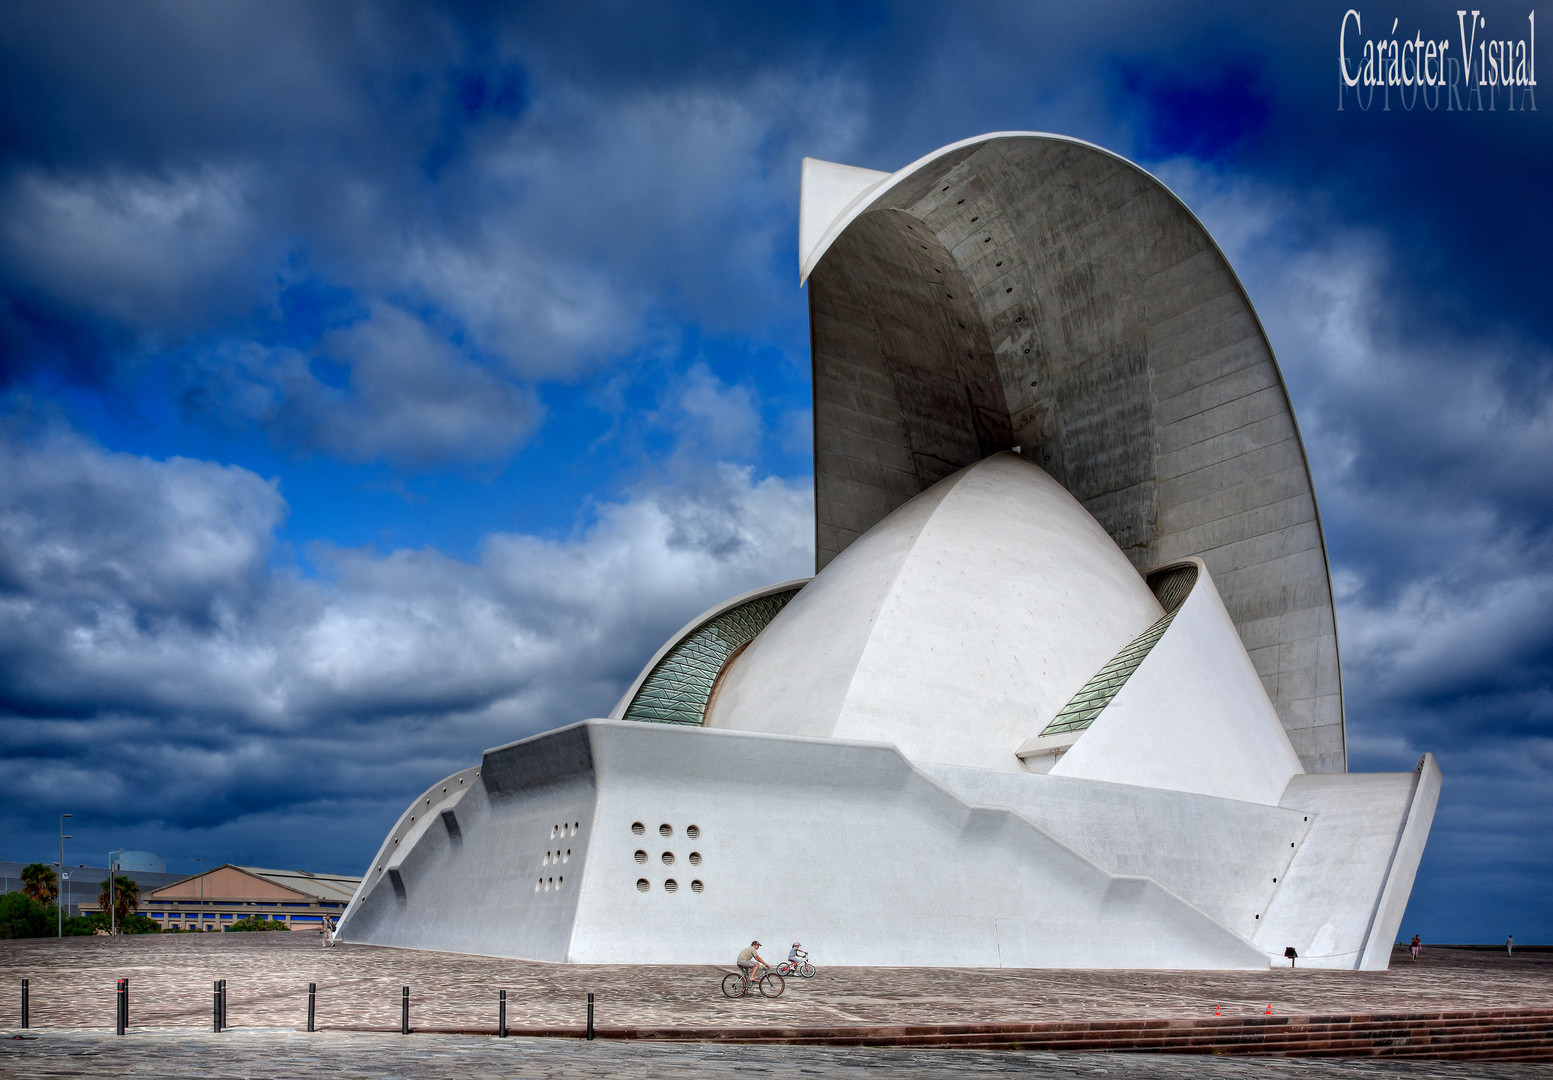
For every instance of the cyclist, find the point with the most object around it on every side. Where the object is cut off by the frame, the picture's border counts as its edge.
(796, 956)
(748, 959)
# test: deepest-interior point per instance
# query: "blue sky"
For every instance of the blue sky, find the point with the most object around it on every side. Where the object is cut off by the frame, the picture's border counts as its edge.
(382, 382)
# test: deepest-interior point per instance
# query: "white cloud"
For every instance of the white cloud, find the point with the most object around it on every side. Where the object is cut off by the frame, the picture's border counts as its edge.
(150, 644)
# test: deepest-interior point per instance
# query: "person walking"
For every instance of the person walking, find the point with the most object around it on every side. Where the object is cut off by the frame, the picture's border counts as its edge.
(1509, 944)
(1416, 944)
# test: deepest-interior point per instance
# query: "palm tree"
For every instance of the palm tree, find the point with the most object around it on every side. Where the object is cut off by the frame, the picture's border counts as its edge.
(40, 882)
(126, 897)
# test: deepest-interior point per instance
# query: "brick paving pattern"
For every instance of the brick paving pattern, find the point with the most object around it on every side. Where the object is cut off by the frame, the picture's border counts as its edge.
(170, 977)
(284, 1055)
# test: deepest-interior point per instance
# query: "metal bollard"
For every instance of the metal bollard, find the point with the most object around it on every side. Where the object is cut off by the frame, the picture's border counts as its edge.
(121, 1007)
(223, 1005)
(501, 1014)
(312, 998)
(25, 1010)
(215, 1005)
(404, 1011)
(590, 1017)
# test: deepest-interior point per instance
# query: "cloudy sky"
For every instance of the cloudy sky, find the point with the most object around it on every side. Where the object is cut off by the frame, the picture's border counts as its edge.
(383, 382)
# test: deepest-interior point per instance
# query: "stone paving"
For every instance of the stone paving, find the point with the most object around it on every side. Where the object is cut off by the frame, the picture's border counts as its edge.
(283, 1055)
(72, 983)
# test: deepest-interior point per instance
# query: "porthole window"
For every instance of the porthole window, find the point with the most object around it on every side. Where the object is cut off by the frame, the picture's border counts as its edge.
(671, 885)
(638, 828)
(641, 856)
(538, 883)
(665, 830)
(568, 856)
(668, 858)
(575, 826)
(694, 832)
(642, 884)
(696, 886)
(695, 858)
(553, 830)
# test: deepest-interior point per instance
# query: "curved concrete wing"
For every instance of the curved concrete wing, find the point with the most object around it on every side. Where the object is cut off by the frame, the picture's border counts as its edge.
(1029, 290)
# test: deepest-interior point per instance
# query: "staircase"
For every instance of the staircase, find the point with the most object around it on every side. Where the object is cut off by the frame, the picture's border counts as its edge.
(1484, 1035)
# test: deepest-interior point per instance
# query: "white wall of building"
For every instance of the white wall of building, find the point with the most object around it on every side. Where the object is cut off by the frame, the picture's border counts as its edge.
(1193, 717)
(956, 628)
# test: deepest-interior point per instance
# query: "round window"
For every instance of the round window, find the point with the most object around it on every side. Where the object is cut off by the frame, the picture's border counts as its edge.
(642, 885)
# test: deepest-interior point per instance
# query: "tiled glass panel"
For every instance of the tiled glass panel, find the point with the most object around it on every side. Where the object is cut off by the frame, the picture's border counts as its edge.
(677, 690)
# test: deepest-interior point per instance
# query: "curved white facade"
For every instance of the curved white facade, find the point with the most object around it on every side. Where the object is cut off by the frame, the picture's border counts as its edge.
(955, 629)
(985, 733)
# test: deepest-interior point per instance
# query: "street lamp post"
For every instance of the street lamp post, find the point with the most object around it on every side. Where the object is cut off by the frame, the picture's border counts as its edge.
(59, 906)
(202, 894)
(113, 904)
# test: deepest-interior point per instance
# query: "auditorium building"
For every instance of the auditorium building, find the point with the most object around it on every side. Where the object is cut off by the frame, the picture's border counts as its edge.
(1064, 690)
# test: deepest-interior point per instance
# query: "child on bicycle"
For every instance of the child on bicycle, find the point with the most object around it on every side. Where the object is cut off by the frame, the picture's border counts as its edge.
(796, 956)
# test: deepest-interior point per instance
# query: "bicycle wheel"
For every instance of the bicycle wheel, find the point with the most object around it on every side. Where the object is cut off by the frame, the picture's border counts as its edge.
(733, 985)
(807, 971)
(771, 984)
(784, 969)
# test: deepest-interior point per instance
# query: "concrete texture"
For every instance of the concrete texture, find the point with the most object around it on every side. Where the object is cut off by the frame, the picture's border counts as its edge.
(1035, 291)
(613, 841)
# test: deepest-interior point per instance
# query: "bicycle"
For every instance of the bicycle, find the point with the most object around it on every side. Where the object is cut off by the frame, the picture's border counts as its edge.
(798, 965)
(771, 985)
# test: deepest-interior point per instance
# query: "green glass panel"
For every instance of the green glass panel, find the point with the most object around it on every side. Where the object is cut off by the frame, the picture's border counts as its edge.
(1171, 587)
(680, 684)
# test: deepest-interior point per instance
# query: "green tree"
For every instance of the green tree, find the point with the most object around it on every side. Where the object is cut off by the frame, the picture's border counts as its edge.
(258, 922)
(126, 896)
(21, 916)
(40, 882)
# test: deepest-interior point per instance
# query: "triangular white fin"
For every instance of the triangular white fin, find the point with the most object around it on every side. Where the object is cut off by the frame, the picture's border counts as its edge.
(827, 190)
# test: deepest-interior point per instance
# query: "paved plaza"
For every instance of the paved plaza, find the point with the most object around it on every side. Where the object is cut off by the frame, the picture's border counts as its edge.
(281, 1055)
(359, 986)
(72, 994)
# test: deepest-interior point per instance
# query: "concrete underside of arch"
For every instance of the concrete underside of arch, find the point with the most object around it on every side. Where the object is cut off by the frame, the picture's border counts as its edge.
(1036, 292)
(554, 849)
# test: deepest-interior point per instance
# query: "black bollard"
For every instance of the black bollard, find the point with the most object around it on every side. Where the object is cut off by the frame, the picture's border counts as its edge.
(404, 1011)
(223, 1005)
(590, 1017)
(120, 1007)
(312, 997)
(501, 1014)
(25, 1010)
(215, 1005)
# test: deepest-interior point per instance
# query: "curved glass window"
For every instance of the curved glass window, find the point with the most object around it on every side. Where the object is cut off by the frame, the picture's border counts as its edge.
(1171, 586)
(681, 683)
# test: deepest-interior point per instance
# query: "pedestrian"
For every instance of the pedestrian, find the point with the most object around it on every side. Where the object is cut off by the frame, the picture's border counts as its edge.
(1416, 944)
(1509, 944)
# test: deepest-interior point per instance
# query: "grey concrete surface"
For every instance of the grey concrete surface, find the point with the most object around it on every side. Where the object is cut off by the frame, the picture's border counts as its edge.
(280, 1055)
(1037, 292)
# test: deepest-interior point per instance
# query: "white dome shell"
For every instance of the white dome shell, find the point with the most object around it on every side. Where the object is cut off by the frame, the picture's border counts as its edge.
(955, 628)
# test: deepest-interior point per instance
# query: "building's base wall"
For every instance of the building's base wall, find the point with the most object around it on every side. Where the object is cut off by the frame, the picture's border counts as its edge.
(846, 847)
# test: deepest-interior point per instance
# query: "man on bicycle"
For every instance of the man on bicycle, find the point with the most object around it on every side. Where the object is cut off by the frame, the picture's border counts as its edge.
(748, 958)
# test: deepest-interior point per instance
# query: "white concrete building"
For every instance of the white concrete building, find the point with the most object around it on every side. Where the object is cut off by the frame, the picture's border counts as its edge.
(1017, 718)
